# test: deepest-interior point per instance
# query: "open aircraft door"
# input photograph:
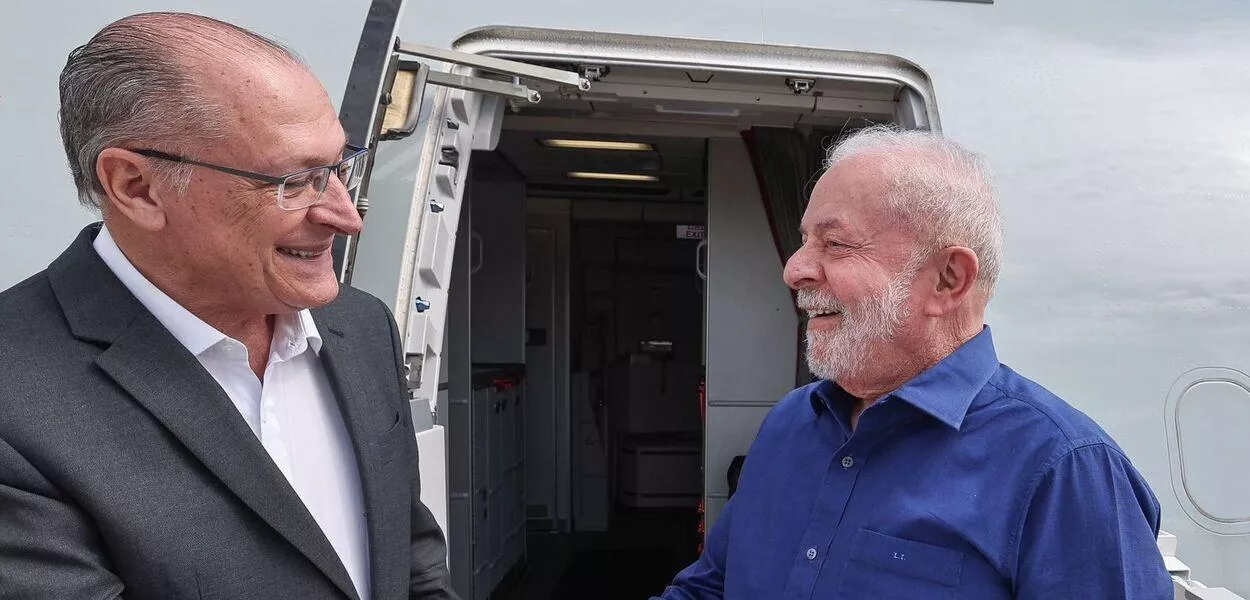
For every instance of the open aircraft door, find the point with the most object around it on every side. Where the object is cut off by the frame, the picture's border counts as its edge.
(421, 111)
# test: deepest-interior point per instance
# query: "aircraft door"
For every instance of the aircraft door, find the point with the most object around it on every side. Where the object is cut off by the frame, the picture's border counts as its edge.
(422, 111)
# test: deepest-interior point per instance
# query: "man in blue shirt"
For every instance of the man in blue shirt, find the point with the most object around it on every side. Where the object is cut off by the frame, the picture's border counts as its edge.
(919, 467)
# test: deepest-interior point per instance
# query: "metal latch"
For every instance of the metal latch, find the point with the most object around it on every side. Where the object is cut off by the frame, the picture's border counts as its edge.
(412, 369)
(449, 156)
(800, 86)
(593, 72)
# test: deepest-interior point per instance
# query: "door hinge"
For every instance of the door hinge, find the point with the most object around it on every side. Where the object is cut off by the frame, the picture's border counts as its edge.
(495, 65)
(422, 75)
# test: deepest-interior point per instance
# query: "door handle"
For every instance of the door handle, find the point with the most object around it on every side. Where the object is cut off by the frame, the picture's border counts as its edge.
(481, 252)
(700, 252)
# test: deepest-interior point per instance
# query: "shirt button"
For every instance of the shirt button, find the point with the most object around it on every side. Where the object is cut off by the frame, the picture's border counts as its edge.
(811, 554)
(847, 462)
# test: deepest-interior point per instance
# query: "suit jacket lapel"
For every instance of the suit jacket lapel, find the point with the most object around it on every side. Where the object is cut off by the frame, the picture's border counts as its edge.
(149, 363)
(351, 379)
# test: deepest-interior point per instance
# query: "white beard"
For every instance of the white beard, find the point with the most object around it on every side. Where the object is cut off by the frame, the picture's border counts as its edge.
(840, 353)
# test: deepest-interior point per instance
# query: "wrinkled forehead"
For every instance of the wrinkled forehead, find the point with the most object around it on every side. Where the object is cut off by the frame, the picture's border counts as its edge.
(277, 115)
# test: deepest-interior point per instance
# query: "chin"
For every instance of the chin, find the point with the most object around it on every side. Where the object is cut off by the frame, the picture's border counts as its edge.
(315, 296)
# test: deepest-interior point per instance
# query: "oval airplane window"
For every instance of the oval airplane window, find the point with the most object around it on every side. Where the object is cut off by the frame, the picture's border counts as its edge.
(1207, 415)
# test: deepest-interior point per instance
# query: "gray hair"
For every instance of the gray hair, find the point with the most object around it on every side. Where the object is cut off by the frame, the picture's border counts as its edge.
(942, 189)
(135, 82)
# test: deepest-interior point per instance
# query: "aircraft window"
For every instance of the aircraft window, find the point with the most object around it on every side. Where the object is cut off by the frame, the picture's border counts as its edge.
(1206, 446)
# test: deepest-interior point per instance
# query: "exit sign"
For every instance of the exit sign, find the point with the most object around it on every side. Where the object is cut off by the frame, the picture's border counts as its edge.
(691, 232)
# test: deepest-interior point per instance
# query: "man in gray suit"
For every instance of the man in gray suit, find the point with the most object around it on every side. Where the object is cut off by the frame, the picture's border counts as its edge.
(190, 407)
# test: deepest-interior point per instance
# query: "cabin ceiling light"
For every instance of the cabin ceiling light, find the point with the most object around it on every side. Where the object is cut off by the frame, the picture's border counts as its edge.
(611, 176)
(597, 145)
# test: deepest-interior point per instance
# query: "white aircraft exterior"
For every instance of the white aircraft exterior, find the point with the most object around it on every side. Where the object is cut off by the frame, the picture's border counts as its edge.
(1119, 134)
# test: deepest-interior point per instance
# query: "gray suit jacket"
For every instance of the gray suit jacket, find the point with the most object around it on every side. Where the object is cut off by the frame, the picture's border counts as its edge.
(126, 471)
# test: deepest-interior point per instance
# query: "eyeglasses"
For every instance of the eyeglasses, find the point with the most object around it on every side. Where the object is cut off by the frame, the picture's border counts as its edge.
(297, 190)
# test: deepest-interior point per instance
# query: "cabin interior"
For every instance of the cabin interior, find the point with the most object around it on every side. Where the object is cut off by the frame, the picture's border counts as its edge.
(617, 313)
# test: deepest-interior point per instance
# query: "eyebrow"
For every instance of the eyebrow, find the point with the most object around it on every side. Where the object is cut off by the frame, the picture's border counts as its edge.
(823, 225)
(310, 161)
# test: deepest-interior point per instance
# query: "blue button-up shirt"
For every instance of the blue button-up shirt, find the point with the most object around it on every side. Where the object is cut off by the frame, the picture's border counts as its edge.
(970, 481)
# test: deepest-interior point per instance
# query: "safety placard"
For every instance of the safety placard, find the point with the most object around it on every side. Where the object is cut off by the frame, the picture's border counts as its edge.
(691, 232)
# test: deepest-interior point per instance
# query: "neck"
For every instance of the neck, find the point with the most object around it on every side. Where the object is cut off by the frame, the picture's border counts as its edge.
(255, 331)
(904, 358)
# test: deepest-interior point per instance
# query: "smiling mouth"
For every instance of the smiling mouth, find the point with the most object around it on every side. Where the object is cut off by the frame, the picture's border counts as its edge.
(816, 314)
(301, 253)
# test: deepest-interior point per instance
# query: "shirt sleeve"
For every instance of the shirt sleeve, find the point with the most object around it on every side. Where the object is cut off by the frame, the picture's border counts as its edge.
(1090, 531)
(704, 579)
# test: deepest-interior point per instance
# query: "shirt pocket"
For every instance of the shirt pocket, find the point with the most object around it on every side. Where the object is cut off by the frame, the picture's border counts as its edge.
(884, 567)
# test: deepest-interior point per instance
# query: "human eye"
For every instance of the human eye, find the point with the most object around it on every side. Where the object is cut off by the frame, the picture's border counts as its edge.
(300, 181)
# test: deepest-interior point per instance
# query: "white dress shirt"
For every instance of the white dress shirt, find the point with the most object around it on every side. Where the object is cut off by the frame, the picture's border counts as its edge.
(293, 411)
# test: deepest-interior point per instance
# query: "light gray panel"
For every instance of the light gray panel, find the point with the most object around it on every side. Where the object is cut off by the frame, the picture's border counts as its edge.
(713, 506)
(380, 246)
(730, 431)
(459, 367)
(751, 323)
(541, 396)
(551, 230)
(498, 267)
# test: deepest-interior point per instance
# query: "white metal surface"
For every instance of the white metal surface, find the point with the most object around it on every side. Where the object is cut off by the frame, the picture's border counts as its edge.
(1183, 586)
(751, 323)
(430, 444)
(1117, 132)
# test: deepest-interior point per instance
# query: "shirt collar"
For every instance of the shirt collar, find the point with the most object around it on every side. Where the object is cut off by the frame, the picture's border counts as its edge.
(294, 332)
(945, 390)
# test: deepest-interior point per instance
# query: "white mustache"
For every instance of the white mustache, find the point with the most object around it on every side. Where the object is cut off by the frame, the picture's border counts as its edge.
(815, 300)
